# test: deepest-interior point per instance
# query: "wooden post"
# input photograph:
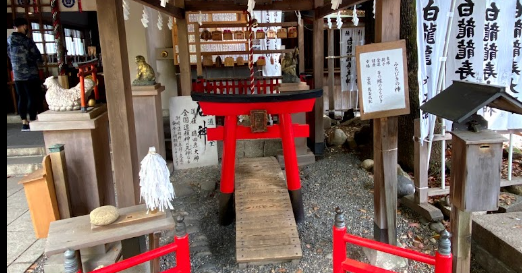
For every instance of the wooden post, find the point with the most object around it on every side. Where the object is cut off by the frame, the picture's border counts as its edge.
(61, 184)
(385, 132)
(119, 97)
(316, 120)
(198, 51)
(63, 80)
(301, 46)
(461, 240)
(185, 76)
(331, 87)
(420, 169)
(154, 242)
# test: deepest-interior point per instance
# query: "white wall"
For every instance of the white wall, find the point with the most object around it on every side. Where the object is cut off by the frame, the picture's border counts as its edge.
(144, 41)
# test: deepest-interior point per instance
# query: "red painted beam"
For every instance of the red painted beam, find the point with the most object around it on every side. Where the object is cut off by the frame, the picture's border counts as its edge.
(236, 109)
(243, 132)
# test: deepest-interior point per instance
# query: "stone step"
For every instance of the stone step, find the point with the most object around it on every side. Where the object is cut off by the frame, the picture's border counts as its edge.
(497, 243)
(34, 150)
(22, 165)
(12, 118)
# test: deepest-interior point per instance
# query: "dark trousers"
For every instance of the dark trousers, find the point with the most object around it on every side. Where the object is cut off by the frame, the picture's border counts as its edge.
(29, 98)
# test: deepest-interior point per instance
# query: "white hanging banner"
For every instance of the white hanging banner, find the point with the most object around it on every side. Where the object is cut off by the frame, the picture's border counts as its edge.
(350, 38)
(498, 57)
(482, 48)
(515, 86)
(432, 23)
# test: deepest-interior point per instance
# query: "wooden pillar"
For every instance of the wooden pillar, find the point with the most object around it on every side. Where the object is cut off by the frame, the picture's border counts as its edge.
(198, 51)
(461, 240)
(385, 132)
(119, 99)
(185, 76)
(316, 141)
(301, 46)
(331, 87)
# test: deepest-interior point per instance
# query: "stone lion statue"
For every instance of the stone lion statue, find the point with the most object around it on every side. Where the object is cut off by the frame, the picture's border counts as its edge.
(145, 75)
(62, 99)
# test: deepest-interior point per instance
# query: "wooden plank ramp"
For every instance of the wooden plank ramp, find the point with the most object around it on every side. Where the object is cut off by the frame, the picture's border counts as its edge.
(265, 226)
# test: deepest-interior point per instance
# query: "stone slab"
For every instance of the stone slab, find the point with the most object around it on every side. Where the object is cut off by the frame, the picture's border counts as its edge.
(13, 186)
(16, 206)
(501, 236)
(385, 260)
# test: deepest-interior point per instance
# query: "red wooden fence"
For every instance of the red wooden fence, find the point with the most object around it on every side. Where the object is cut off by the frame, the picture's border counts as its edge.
(442, 259)
(241, 86)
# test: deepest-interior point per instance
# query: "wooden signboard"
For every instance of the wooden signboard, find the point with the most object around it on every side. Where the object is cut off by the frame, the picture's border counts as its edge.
(382, 79)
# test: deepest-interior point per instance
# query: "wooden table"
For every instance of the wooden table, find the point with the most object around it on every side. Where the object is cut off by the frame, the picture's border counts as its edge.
(75, 233)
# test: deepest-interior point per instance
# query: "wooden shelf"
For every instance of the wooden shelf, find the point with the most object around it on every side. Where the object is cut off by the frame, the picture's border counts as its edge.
(246, 52)
(244, 24)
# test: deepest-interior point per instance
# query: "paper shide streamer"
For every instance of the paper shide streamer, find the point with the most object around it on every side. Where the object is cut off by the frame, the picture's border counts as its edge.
(155, 186)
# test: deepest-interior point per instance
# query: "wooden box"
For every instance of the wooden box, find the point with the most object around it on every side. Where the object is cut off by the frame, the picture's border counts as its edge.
(239, 35)
(217, 35)
(227, 35)
(475, 170)
(41, 198)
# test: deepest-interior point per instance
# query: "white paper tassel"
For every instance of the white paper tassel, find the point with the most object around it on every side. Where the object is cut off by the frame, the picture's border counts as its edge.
(339, 20)
(126, 11)
(200, 19)
(329, 22)
(299, 19)
(155, 187)
(145, 18)
(163, 3)
(250, 7)
(374, 9)
(160, 21)
(355, 19)
(170, 24)
(335, 4)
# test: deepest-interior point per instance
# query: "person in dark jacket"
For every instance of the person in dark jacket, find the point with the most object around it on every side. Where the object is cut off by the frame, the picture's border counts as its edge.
(25, 56)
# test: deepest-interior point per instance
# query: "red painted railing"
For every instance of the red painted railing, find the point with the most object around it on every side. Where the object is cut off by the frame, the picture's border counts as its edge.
(263, 85)
(180, 246)
(442, 259)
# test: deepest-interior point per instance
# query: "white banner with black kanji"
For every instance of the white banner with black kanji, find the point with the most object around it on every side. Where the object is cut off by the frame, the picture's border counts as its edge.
(484, 47)
(350, 38)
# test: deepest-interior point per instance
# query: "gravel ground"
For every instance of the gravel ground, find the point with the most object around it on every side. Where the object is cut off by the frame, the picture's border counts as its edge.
(335, 180)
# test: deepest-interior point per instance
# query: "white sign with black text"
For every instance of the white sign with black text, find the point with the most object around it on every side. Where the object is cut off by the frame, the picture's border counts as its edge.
(188, 128)
(381, 78)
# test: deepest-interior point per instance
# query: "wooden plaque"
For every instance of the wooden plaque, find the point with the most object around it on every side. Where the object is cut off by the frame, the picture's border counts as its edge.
(382, 79)
(258, 121)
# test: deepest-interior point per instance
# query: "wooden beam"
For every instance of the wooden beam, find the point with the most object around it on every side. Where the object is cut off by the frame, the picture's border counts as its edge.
(316, 118)
(323, 11)
(385, 141)
(301, 46)
(199, 66)
(289, 5)
(185, 76)
(119, 96)
(331, 68)
(169, 9)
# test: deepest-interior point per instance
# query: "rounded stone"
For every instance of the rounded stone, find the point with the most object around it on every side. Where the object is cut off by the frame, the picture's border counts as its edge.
(104, 215)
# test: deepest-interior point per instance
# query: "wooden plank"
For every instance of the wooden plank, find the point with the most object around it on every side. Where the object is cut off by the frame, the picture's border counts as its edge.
(183, 53)
(266, 231)
(121, 115)
(331, 86)
(420, 167)
(75, 233)
(288, 5)
(61, 184)
(485, 136)
(130, 218)
(154, 242)
(324, 10)
(169, 9)
(426, 210)
(316, 118)
(389, 160)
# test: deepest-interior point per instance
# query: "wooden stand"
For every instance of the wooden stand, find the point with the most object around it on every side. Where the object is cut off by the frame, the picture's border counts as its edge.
(86, 136)
(41, 198)
(148, 119)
